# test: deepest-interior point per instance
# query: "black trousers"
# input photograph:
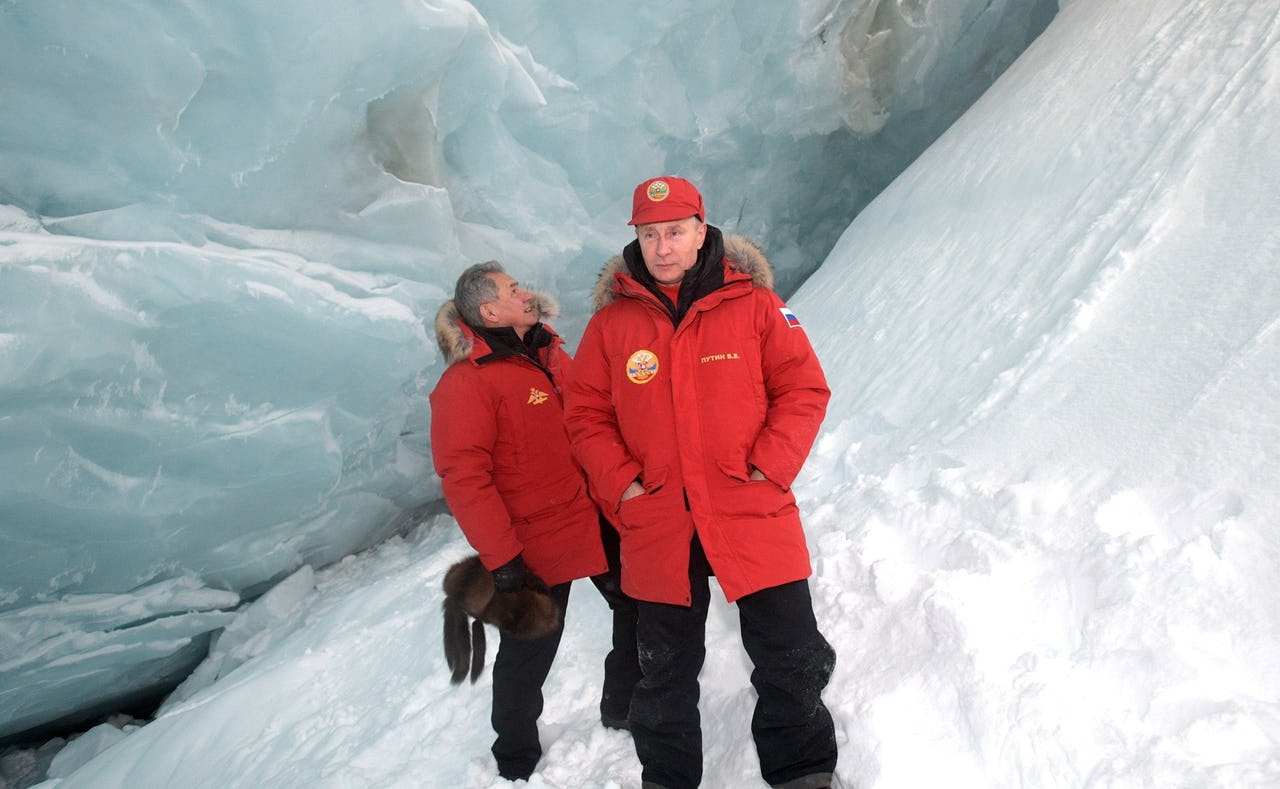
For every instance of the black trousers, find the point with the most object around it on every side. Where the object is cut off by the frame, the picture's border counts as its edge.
(521, 667)
(518, 673)
(622, 664)
(793, 731)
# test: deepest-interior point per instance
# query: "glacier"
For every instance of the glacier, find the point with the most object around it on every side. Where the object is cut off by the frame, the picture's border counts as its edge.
(222, 225)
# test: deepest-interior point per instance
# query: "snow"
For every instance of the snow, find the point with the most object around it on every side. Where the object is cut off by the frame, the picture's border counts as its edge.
(1041, 508)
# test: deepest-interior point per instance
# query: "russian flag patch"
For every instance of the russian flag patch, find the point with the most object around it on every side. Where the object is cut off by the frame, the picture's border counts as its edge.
(789, 317)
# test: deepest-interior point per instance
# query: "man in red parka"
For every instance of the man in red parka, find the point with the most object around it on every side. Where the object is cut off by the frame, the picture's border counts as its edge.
(499, 445)
(693, 402)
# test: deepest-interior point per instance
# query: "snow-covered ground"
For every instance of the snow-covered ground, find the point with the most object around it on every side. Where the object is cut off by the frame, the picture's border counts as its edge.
(1042, 508)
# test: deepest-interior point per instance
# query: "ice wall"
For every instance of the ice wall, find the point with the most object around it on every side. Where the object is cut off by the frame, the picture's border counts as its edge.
(222, 226)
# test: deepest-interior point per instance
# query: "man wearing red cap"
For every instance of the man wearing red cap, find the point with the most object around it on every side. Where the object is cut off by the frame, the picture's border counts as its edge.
(693, 402)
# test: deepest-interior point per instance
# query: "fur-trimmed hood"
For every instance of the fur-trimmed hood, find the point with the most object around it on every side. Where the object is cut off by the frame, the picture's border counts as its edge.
(743, 256)
(456, 339)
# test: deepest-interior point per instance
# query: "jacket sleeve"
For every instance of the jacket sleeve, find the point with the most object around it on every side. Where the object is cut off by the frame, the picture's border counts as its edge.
(592, 422)
(464, 431)
(797, 394)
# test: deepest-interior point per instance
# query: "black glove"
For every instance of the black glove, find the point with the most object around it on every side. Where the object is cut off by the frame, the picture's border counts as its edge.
(514, 576)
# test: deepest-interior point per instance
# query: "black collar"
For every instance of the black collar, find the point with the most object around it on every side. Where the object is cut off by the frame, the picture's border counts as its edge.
(503, 342)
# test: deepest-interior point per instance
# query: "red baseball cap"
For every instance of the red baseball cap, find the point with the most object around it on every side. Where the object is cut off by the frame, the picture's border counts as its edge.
(665, 199)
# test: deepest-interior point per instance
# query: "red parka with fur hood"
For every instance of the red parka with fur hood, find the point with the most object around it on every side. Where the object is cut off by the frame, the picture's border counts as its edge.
(500, 448)
(689, 409)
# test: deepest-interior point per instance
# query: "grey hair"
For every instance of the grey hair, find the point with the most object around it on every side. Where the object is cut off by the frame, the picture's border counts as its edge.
(475, 288)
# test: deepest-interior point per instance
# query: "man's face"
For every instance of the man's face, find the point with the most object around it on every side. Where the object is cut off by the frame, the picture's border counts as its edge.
(671, 248)
(513, 308)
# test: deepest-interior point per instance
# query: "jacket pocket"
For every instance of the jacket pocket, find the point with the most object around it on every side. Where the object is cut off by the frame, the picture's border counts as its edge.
(638, 511)
(740, 471)
(743, 497)
(653, 480)
(544, 509)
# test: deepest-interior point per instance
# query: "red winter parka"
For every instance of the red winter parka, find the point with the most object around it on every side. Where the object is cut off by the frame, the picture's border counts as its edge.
(689, 410)
(500, 448)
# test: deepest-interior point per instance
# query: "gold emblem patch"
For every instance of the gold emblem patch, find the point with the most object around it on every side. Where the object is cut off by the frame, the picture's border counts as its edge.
(537, 396)
(642, 367)
(658, 191)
